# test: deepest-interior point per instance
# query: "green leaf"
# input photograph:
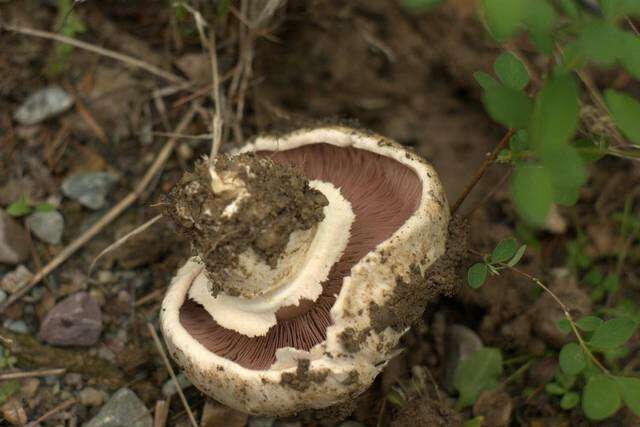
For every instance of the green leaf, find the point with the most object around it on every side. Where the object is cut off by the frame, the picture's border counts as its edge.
(420, 5)
(602, 43)
(45, 207)
(630, 390)
(532, 192)
(504, 250)
(511, 71)
(563, 326)
(626, 113)
(601, 397)
(613, 333)
(569, 400)
(479, 372)
(474, 422)
(19, 208)
(615, 9)
(556, 114)
(554, 389)
(518, 256)
(630, 58)
(541, 19)
(589, 323)
(503, 17)
(589, 151)
(572, 359)
(566, 170)
(508, 106)
(7, 389)
(569, 7)
(477, 275)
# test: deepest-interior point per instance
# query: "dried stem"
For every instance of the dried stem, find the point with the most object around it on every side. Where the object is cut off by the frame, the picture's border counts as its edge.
(482, 170)
(32, 374)
(125, 59)
(167, 364)
(61, 407)
(108, 217)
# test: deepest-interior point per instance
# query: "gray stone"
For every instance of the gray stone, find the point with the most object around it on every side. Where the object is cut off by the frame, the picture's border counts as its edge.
(461, 343)
(17, 326)
(13, 281)
(261, 422)
(89, 188)
(169, 387)
(43, 104)
(76, 320)
(47, 226)
(14, 247)
(124, 408)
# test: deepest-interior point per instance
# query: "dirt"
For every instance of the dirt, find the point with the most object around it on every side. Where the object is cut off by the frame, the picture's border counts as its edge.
(424, 411)
(303, 378)
(272, 202)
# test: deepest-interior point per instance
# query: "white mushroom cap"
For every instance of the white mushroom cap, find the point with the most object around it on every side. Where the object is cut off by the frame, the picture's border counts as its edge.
(379, 296)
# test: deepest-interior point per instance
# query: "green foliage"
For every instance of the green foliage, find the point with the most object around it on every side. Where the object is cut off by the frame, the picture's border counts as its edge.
(474, 422)
(477, 275)
(506, 254)
(69, 25)
(625, 111)
(24, 206)
(601, 397)
(19, 208)
(569, 400)
(479, 372)
(572, 359)
(511, 71)
(533, 206)
(8, 389)
(613, 333)
(630, 391)
(420, 5)
(589, 323)
(503, 17)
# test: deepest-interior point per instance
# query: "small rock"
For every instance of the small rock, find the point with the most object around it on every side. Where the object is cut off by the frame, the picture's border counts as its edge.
(89, 188)
(461, 343)
(217, 415)
(14, 247)
(124, 408)
(90, 396)
(47, 226)
(73, 379)
(43, 104)
(12, 282)
(261, 422)
(13, 412)
(3, 296)
(76, 320)
(17, 326)
(169, 388)
(495, 406)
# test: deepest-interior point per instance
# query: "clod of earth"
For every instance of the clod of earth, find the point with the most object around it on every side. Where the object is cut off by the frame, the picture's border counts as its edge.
(311, 259)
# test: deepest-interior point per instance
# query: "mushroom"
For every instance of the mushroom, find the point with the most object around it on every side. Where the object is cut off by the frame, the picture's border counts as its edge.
(312, 257)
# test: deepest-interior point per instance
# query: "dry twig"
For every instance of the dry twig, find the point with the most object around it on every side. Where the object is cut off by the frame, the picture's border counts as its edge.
(32, 374)
(167, 364)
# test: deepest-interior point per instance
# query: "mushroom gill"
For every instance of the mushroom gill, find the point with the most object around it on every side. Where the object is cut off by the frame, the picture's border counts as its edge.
(383, 193)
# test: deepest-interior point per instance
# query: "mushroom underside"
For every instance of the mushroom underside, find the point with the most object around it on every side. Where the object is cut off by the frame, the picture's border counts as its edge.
(383, 193)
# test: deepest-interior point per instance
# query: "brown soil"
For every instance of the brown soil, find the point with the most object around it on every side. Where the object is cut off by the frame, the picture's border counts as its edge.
(426, 412)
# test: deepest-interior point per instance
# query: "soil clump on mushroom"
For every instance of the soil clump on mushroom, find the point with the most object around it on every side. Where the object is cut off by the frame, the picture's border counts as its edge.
(280, 203)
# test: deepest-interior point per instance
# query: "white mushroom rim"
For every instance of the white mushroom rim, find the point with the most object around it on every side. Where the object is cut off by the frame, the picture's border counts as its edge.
(255, 316)
(370, 281)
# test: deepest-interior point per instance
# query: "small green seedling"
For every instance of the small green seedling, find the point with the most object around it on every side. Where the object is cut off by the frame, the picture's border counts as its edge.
(24, 206)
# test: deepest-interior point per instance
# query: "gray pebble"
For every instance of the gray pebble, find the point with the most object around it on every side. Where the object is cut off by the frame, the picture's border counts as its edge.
(47, 226)
(17, 326)
(43, 104)
(14, 247)
(124, 408)
(169, 387)
(89, 188)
